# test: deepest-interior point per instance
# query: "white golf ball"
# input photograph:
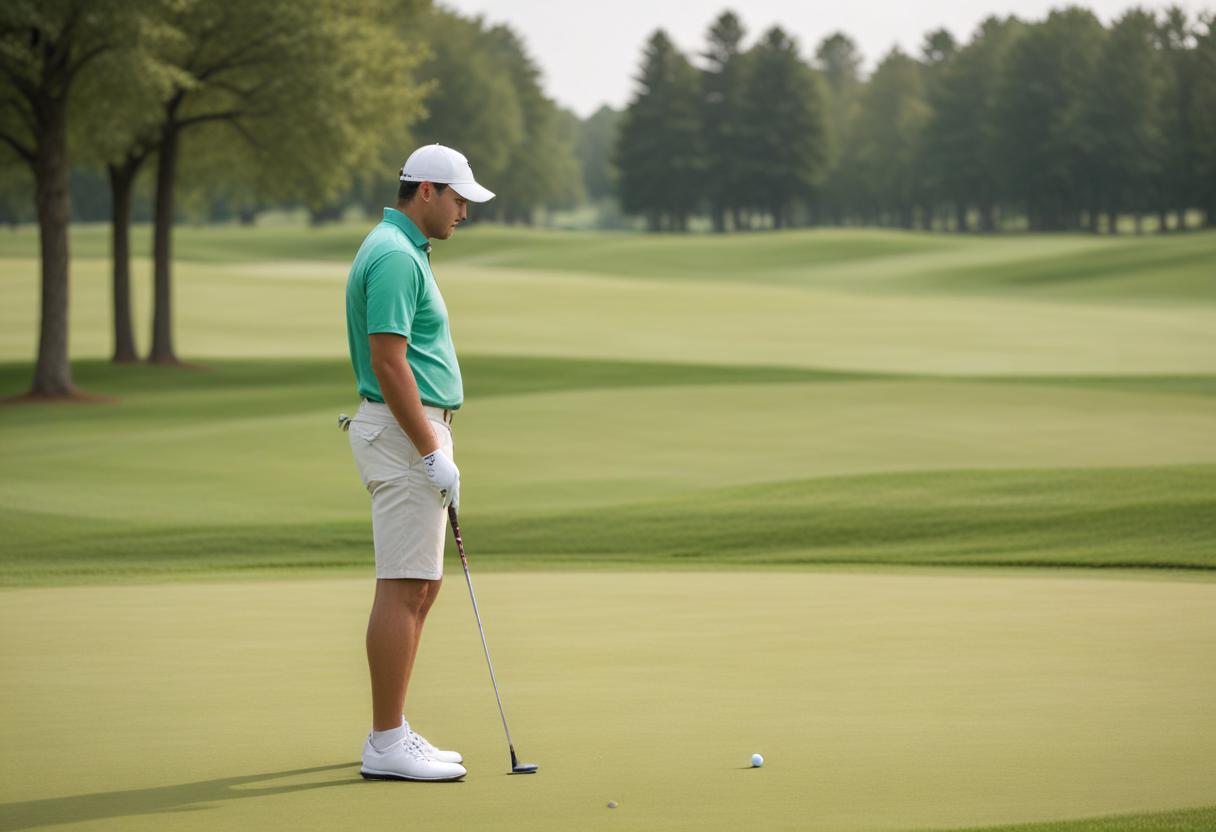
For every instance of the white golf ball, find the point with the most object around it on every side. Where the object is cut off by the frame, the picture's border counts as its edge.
(757, 761)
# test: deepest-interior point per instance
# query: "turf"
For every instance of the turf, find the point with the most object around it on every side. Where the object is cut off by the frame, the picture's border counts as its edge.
(880, 702)
(925, 519)
(857, 468)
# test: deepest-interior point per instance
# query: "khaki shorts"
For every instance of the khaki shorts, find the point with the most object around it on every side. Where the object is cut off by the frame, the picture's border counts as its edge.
(409, 523)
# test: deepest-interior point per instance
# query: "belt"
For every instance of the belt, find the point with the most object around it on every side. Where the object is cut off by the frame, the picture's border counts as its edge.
(441, 413)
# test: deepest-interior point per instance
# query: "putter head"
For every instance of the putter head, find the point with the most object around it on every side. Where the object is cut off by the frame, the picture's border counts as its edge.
(521, 768)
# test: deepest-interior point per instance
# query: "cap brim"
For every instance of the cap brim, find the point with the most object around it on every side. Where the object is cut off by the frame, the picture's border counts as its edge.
(472, 191)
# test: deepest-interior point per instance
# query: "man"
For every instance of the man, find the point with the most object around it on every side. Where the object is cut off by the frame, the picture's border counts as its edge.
(409, 380)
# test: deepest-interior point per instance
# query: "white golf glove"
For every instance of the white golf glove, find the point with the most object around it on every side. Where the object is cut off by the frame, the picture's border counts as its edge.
(445, 476)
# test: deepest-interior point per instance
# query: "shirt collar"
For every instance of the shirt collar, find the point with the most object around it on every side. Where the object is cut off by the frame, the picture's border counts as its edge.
(392, 215)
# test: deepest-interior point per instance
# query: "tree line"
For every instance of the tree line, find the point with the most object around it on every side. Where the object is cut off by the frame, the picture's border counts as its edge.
(1058, 124)
(312, 102)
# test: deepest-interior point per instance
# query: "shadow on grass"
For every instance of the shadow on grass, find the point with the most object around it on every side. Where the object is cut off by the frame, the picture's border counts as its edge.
(184, 797)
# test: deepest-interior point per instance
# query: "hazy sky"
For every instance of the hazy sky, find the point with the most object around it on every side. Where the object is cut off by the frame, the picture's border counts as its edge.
(589, 52)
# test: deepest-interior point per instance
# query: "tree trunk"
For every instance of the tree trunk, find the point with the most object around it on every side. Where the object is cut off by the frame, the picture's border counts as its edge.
(333, 213)
(1139, 223)
(1092, 220)
(53, 370)
(960, 218)
(1180, 222)
(987, 218)
(719, 217)
(1163, 221)
(122, 179)
(162, 238)
(1112, 222)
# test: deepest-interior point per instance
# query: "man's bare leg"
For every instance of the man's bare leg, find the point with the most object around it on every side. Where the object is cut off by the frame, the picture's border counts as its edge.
(393, 629)
(432, 594)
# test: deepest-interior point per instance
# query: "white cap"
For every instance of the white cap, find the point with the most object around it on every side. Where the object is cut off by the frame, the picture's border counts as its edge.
(436, 163)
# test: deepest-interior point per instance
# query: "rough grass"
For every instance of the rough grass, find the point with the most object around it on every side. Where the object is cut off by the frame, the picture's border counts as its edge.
(237, 469)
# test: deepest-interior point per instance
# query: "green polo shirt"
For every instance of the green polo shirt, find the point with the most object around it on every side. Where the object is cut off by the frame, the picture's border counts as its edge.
(391, 289)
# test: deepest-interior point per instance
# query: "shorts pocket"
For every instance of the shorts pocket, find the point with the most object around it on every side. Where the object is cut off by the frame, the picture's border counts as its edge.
(382, 452)
(368, 433)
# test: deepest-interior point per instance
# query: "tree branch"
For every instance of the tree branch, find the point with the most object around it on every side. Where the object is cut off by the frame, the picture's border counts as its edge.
(22, 107)
(226, 115)
(83, 60)
(24, 152)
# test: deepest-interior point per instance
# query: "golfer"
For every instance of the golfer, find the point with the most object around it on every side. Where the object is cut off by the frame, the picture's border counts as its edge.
(409, 380)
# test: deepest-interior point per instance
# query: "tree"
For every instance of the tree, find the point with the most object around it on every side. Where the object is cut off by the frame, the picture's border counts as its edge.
(1043, 117)
(962, 139)
(839, 62)
(891, 118)
(1203, 118)
(247, 67)
(1177, 187)
(1124, 109)
(786, 114)
(541, 168)
(46, 48)
(120, 104)
(723, 120)
(658, 149)
(473, 105)
(939, 51)
(596, 137)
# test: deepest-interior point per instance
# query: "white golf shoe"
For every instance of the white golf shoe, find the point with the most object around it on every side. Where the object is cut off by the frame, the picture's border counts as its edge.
(406, 759)
(433, 752)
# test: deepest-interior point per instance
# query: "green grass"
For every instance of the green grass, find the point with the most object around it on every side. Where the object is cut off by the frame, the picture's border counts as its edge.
(855, 499)
(1192, 820)
(880, 701)
(237, 469)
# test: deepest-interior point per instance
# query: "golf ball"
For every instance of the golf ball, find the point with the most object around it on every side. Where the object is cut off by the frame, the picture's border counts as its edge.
(757, 761)
(611, 804)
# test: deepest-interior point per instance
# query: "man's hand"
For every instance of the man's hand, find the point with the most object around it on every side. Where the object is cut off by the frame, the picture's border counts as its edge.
(445, 476)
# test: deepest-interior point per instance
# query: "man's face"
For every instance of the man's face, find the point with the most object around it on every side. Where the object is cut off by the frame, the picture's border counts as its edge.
(444, 212)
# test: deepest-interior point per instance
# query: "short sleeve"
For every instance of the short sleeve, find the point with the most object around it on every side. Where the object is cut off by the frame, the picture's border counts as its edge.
(393, 285)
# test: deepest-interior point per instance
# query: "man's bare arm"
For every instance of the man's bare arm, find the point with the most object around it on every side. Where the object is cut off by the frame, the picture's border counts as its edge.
(400, 390)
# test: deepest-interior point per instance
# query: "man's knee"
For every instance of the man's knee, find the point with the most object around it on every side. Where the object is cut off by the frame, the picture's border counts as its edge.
(414, 596)
(431, 595)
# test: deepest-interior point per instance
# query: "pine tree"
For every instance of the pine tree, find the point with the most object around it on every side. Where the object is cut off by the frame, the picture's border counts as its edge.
(658, 149)
(785, 111)
(723, 126)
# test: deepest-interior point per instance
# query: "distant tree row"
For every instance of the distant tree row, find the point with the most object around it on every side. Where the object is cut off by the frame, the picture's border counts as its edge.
(1053, 125)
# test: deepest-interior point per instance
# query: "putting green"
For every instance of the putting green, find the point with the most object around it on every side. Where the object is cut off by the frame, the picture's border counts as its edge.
(880, 702)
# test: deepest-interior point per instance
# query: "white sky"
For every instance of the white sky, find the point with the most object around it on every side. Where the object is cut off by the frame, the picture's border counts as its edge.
(589, 52)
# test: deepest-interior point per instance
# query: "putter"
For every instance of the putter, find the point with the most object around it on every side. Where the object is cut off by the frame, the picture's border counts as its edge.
(516, 766)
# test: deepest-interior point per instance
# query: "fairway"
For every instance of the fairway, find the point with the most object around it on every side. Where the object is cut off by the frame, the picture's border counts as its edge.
(880, 702)
(926, 520)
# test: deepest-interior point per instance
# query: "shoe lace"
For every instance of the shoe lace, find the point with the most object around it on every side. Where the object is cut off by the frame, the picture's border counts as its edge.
(426, 744)
(418, 745)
